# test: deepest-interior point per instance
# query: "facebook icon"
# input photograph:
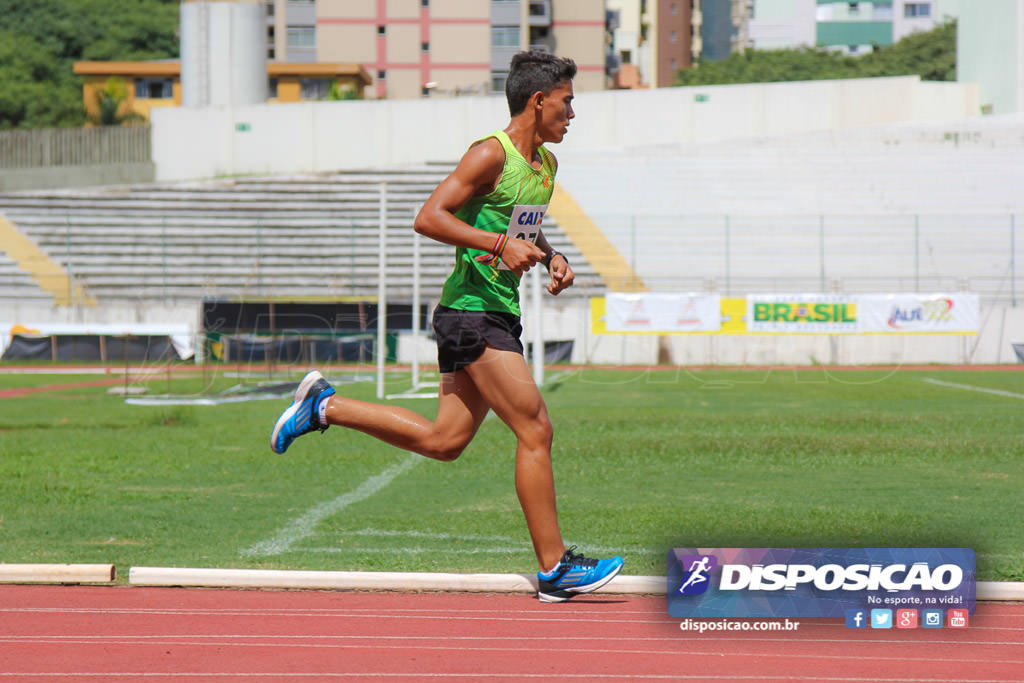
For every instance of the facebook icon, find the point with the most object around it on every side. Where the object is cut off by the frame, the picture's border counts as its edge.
(856, 618)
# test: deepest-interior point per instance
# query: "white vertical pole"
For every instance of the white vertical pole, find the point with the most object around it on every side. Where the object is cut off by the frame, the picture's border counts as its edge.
(382, 290)
(415, 310)
(536, 273)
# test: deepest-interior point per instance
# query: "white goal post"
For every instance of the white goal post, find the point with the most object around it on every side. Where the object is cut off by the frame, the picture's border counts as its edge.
(535, 326)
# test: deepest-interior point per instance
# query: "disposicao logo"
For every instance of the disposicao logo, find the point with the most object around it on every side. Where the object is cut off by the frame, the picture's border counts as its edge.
(697, 577)
(817, 582)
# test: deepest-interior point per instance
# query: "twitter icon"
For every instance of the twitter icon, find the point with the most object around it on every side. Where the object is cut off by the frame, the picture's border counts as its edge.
(881, 618)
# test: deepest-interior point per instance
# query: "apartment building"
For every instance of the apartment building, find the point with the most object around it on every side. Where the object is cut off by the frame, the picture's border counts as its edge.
(851, 27)
(438, 48)
(649, 40)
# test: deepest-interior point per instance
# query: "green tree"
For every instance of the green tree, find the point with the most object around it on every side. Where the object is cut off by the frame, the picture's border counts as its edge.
(930, 54)
(40, 41)
(337, 93)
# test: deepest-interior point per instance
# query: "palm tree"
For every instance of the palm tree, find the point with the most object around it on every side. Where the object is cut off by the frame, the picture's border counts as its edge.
(108, 105)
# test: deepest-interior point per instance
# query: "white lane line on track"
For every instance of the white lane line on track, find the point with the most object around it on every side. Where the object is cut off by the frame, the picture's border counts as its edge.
(491, 675)
(305, 525)
(424, 615)
(968, 387)
(599, 650)
(275, 640)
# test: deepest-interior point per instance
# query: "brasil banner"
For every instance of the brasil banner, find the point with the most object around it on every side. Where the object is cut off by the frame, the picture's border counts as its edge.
(802, 313)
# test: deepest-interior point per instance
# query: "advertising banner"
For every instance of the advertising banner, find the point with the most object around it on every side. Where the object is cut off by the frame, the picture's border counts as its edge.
(934, 313)
(652, 312)
(820, 582)
(802, 313)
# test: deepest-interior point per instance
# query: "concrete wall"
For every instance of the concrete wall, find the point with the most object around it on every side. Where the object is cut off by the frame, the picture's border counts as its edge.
(59, 177)
(570, 319)
(1001, 325)
(319, 136)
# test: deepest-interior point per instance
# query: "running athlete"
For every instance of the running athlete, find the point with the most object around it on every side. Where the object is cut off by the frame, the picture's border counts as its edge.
(490, 208)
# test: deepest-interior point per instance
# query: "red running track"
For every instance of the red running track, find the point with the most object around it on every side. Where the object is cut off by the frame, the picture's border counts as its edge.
(84, 633)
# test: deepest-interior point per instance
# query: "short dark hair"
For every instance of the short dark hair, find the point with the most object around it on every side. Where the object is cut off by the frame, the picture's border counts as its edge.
(535, 71)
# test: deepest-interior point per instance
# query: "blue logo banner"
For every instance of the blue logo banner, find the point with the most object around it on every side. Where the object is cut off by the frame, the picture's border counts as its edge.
(817, 582)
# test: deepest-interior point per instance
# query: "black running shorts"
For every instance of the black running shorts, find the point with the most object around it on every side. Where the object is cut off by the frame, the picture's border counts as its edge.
(462, 336)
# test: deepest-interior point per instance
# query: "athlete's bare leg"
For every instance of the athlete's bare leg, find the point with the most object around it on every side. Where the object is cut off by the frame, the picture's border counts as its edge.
(460, 410)
(505, 382)
(499, 380)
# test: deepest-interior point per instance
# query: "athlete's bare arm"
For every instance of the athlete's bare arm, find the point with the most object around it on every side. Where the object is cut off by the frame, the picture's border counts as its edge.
(477, 174)
(559, 269)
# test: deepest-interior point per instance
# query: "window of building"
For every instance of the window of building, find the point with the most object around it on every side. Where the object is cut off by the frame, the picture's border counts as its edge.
(315, 88)
(498, 81)
(154, 88)
(382, 74)
(505, 36)
(271, 88)
(854, 7)
(425, 47)
(673, 37)
(302, 36)
(917, 9)
(424, 3)
(672, 8)
(381, 30)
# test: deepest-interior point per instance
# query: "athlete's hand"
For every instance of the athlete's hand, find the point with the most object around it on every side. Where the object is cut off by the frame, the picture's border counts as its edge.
(561, 274)
(521, 255)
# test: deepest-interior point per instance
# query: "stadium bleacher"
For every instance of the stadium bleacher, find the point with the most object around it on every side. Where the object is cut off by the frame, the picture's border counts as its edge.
(847, 211)
(16, 283)
(298, 236)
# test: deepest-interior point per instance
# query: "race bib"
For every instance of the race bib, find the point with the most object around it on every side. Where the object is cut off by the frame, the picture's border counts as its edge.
(525, 224)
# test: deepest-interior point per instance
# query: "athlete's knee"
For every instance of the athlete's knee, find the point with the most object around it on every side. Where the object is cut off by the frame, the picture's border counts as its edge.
(446, 447)
(538, 432)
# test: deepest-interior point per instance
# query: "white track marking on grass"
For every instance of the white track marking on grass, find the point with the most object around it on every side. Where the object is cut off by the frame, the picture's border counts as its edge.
(997, 392)
(511, 544)
(307, 523)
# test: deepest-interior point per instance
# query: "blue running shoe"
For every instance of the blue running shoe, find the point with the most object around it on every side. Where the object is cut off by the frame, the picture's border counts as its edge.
(303, 415)
(575, 574)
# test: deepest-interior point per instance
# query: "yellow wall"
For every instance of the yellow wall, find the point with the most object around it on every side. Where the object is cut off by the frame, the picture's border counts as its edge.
(132, 104)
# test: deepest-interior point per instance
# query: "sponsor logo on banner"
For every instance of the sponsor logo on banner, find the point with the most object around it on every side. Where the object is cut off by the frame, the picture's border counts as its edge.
(653, 312)
(935, 311)
(801, 313)
(902, 313)
(820, 582)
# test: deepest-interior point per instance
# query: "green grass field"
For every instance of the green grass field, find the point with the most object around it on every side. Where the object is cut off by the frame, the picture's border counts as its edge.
(644, 461)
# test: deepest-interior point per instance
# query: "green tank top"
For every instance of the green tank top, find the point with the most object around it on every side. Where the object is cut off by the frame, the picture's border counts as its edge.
(516, 206)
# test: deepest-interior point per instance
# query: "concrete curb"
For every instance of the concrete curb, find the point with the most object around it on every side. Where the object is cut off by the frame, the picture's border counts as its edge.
(57, 573)
(422, 581)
